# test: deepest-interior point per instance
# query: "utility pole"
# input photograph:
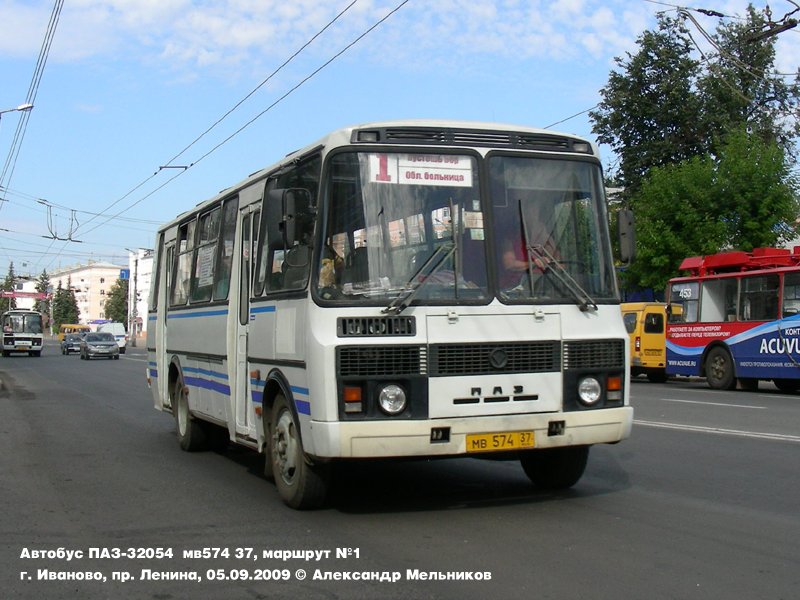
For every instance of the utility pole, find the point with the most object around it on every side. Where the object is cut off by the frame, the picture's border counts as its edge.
(134, 312)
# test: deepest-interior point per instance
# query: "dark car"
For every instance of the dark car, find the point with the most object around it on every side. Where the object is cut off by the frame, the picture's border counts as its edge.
(99, 344)
(71, 343)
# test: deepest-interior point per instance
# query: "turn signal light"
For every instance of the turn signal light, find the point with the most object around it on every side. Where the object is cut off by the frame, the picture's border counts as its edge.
(352, 399)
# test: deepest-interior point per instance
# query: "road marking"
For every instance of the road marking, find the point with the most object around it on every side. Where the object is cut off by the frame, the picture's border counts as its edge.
(711, 403)
(733, 432)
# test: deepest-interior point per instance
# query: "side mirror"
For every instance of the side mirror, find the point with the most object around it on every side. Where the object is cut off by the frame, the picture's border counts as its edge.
(626, 229)
(287, 213)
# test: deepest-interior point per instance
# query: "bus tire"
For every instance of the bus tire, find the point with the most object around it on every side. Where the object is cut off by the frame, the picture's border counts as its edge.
(191, 432)
(266, 419)
(657, 376)
(555, 468)
(787, 386)
(719, 369)
(301, 483)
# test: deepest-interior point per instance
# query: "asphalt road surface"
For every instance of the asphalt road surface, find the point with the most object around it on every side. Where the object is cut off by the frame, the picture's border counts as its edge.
(98, 501)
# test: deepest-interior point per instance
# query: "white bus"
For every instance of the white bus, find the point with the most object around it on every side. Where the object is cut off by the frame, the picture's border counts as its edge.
(397, 289)
(22, 332)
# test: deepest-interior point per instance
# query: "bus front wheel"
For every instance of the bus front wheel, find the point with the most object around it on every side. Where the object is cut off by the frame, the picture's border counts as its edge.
(719, 369)
(191, 433)
(301, 483)
(555, 468)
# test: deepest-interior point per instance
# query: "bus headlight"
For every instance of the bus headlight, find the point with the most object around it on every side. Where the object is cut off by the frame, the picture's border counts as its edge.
(392, 399)
(589, 391)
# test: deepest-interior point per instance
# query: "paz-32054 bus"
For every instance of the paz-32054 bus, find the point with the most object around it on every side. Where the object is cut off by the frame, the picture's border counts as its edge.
(397, 289)
(22, 332)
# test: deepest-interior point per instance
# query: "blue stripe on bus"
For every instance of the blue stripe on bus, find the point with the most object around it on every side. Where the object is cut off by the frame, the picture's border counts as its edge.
(210, 313)
(263, 309)
(257, 396)
(199, 382)
(200, 371)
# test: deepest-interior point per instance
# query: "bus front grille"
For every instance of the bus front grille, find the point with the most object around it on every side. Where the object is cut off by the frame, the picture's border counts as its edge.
(594, 354)
(447, 360)
(373, 361)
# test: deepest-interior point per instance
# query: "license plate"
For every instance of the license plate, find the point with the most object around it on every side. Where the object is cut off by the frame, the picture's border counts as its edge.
(493, 442)
(23, 343)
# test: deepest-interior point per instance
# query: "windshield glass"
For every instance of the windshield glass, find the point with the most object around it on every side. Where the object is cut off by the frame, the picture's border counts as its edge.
(558, 208)
(387, 214)
(23, 323)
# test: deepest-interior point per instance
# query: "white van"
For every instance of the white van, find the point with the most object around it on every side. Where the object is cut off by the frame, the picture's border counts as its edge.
(118, 329)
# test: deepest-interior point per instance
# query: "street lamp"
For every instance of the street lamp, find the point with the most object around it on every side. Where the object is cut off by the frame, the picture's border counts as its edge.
(21, 108)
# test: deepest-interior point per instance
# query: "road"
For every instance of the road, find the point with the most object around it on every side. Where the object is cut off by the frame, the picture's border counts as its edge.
(701, 502)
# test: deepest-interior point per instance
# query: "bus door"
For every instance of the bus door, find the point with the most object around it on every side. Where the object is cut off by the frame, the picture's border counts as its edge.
(157, 357)
(243, 406)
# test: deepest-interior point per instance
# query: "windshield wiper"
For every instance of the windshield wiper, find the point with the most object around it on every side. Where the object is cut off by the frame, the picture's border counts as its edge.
(552, 267)
(410, 289)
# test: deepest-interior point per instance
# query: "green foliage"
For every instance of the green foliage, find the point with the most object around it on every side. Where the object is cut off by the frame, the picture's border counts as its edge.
(705, 147)
(43, 306)
(648, 113)
(744, 200)
(65, 306)
(740, 86)
(8, 285)
(116, 306)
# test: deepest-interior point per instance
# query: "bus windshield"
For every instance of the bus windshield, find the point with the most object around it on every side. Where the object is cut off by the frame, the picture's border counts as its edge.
(397, 222)
(22, 323)
(557, 207)
(388, 214)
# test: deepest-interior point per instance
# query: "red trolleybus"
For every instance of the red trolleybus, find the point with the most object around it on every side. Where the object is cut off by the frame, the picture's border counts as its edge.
(740, 319)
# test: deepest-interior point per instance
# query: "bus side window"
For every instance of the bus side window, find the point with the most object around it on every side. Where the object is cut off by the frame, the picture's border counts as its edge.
(223, 274)
(205, 256)
(759, 298)
(791, 294)
(183, 264)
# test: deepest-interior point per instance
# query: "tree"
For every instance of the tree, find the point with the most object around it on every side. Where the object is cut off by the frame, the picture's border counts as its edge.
(43, 305)
(664, 106)
(65, 306)
(743, 200)
(9, 286)
(116, 307)
(648, 112)
(705, 148)
(741, 87)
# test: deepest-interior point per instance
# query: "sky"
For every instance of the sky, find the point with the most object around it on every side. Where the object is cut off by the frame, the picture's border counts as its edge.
(129, 86)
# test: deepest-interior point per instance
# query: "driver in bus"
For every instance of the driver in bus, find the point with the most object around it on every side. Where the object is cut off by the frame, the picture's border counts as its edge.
(515, 255)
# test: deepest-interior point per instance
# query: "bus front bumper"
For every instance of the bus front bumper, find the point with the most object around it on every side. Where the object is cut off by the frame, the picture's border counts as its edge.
(449, 437)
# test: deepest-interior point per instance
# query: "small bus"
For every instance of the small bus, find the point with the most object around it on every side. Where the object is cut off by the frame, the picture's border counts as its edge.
(397, 289)
(734, 318)
(66, 328)
(22, 332)
(646, 326)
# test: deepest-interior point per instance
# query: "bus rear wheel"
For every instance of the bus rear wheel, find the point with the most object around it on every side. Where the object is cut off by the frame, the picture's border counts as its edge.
(555, 468)
(301, 483)
(191, 432)
(719, 369)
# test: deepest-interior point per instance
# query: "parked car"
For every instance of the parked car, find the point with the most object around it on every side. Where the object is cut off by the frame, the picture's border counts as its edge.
(99, 344)
(71, 343)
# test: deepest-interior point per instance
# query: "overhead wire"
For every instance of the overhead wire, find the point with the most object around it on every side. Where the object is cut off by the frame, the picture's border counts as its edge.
(262, 113)
(22, 125)
(103, 213)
